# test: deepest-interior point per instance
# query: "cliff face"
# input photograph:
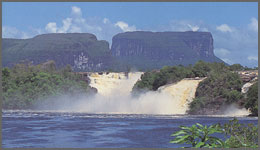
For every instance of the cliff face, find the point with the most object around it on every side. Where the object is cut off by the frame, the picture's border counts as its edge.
(163, 48)
(140, 50)
(81, 50)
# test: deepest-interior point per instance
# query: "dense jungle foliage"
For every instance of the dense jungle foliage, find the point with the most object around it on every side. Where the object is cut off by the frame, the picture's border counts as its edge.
(236, 135)
(221, 88)
(252, 99)
(25, 85)
(152, 80)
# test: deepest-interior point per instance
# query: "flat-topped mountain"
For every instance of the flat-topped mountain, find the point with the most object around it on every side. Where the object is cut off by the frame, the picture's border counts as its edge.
(84, 52)
(81, 50)
(157, 49)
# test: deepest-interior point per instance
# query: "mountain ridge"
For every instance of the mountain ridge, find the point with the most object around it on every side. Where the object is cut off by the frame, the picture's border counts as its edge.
(84, 52)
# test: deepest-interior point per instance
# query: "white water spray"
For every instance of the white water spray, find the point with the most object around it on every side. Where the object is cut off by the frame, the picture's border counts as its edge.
(114, 96)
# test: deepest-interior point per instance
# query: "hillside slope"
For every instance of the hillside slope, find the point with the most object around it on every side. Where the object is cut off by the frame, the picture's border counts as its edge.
(81, 50)
(153, 50)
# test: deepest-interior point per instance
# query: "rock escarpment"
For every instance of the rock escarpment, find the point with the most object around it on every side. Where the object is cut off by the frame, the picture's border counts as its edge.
(80, 50)
(151, 50)
(140, 50)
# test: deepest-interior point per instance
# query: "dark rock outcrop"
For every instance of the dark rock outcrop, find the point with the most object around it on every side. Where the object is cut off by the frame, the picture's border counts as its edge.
(81, 50)
(140, 50)
(151, 50)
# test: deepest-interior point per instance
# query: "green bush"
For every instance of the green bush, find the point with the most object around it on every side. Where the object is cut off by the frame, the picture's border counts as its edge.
(221, 87)
(154, 79)
(198, 136)
(25, 85)
(252, 99)
(237, 135)
(196, 104)
(240, 135)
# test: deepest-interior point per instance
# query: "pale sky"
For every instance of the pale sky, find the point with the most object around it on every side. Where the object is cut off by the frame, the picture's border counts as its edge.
(234, 25)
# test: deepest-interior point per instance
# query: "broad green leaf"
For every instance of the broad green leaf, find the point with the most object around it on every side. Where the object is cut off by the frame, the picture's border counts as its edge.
(199, 144)
(180, 140)
(185, 128)
(178, 133)
(200, 125)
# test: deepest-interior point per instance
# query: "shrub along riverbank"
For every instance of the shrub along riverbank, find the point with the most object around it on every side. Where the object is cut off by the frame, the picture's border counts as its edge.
(237, 135)
(221, 88)
(25, 85)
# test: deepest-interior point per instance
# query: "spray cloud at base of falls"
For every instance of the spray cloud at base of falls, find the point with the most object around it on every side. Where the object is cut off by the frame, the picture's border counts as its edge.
(114, 96)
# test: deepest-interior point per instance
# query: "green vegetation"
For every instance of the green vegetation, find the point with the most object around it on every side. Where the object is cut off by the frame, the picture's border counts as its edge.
(62, 48)
(236, 135)
(198, 136)
(154, 79)
(236, 67)
(222, 86)
(252, 102)
(152, 50)
(25, 85)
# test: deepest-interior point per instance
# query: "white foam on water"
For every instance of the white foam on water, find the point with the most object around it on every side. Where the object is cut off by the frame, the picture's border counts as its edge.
(114, 97)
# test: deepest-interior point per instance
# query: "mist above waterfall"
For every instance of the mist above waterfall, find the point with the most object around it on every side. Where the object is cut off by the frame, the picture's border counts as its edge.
(114, 96)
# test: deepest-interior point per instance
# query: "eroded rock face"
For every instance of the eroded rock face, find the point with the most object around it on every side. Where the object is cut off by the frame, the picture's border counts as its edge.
(81, 50)
(163, 48)
(139, 50)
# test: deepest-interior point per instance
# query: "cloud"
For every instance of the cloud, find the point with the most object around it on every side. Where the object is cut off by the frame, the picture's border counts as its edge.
(233, 47)
(253, 24)
(221, 52)
(103, 28)
(226, 60)
(193, 28)
(12, 32)
(252, 58)
(75, 23)
(66, 25)
(105, 20)
(51, 27)
(125, 27)
(224, 28)
(76, 11)
(185, 25)
(180, 25)
(240, 45)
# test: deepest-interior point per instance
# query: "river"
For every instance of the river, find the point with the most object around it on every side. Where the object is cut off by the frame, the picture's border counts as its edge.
(43, 129)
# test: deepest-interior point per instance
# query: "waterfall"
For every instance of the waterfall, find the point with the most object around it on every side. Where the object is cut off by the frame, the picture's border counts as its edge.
(182, 93)
(114, 95)
(247, 85)
(108, 83)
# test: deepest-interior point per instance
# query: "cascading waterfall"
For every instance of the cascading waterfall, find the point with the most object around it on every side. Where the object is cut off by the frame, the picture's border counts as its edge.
(114, 95)
(109, 83)
(182, 93)
(247, 85)
(234, 109)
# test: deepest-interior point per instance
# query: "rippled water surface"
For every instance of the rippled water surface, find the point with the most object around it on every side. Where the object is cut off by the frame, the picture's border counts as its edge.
(30, 129)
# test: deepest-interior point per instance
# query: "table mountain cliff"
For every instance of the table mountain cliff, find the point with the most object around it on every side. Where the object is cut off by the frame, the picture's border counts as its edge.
(81, 50)
(84, 52)
(149, 50)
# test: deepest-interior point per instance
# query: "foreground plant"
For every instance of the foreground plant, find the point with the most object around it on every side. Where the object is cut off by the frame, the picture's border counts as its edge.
(198, 136)
(240, 135)
(237, 135)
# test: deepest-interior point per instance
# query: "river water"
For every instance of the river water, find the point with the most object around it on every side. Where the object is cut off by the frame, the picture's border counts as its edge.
(41, 129)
